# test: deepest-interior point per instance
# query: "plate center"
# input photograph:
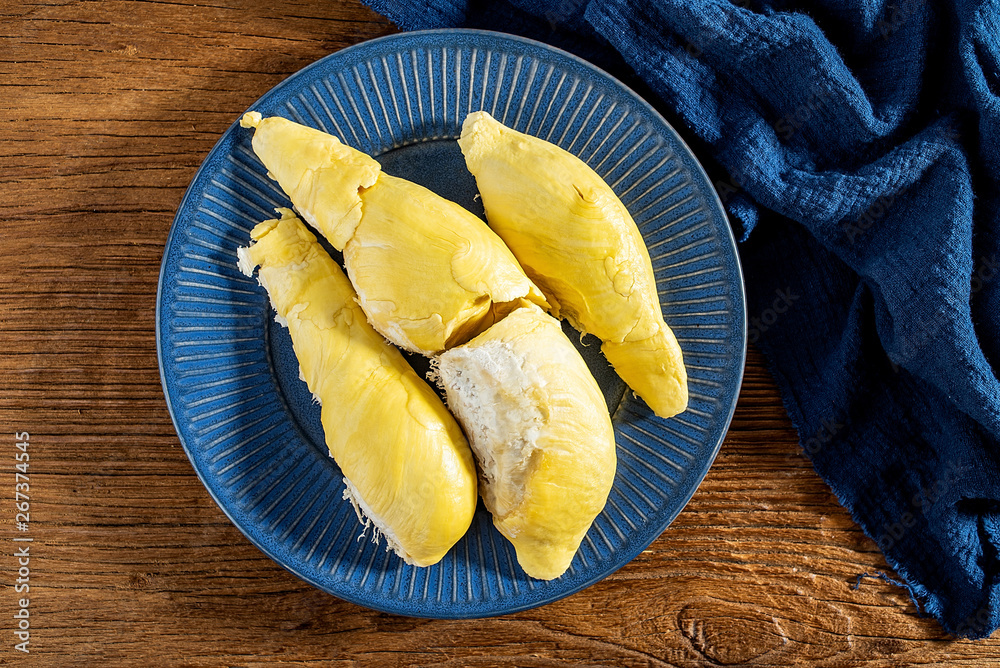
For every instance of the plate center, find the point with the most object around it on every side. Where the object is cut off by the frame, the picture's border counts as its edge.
(438, 165)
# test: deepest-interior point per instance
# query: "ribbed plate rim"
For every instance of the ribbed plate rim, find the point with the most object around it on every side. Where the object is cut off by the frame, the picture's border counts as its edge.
(728, 241)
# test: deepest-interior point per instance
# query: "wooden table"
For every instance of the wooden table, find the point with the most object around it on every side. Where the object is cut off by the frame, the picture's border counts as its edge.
(108, 109)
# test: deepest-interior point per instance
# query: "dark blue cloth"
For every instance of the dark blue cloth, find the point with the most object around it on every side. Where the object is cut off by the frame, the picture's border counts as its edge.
(856, 147)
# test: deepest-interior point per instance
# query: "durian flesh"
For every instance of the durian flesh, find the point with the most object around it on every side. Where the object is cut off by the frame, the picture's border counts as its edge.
(406, 463)
(539, 427)
(429, 274)
(577, 242)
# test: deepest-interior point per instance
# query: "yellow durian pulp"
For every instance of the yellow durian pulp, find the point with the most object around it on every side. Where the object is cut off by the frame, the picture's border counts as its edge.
(406, 463)
(321, 175)
(429, 274)
(539, 427)
(577, 242)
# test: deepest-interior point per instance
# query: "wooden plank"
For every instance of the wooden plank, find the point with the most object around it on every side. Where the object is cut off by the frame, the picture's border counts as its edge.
(109, 108)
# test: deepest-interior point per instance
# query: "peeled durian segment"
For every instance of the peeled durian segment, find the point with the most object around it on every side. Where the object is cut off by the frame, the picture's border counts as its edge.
(654, 369)
(429, 273)
(577, 242)
(539, 427)
(407, 464)
(321, 175)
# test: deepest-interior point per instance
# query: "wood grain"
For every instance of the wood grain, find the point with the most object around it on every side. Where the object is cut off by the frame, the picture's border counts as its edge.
(107, 110)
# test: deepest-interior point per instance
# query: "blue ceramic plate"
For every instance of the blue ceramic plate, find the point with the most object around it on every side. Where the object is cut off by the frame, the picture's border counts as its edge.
(231, 380)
